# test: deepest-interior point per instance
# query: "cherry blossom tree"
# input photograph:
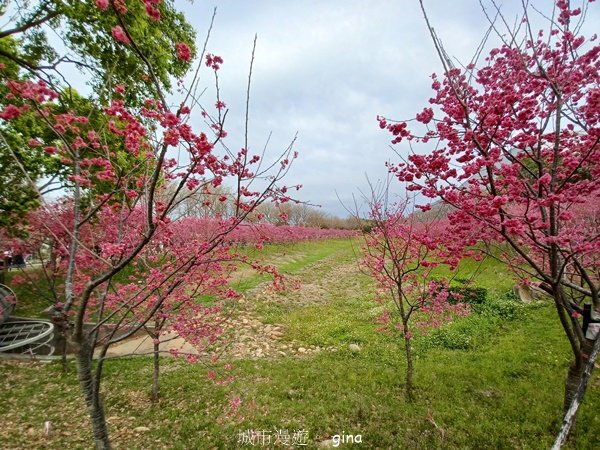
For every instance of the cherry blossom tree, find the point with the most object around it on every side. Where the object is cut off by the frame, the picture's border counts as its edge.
(401, 252)
(112, 245)
(515, 153)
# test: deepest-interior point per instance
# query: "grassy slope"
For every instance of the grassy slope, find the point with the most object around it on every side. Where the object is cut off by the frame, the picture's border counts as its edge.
(30, 303)
(503, 391)
(288, 258)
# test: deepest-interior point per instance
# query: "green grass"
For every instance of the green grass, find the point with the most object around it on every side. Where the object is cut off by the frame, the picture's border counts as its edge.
(32, 298)
(288, 258)
(503, 390)
(488, 273)
(31, 302)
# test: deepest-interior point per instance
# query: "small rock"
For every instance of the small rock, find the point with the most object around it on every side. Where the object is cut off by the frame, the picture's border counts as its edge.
(354, 348)
(301, 350)
(329, 443)
(530, 293)
(141, 429)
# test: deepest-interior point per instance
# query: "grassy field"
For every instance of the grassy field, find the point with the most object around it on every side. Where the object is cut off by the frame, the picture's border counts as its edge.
(493, 380)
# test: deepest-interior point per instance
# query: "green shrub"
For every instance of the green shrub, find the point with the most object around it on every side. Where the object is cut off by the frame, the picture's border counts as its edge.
(465, 294)
(488, 315)
(450, 338)
(506, 306)
(462, 294)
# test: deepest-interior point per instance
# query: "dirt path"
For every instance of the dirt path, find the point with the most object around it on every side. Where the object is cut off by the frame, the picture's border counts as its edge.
(248, 336)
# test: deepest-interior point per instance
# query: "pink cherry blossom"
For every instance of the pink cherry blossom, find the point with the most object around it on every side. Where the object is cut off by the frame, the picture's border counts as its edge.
(119, 35)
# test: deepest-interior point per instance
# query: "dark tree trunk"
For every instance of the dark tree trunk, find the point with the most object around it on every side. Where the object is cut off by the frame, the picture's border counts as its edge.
(61, 325)
(64, 361)
(575, 386)
(92, 396)
(408, 388)
(571, 412)
(572, 383)
(156, 373)
(576, 366)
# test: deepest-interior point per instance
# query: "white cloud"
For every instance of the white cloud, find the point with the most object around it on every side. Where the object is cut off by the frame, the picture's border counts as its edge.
(327, 68)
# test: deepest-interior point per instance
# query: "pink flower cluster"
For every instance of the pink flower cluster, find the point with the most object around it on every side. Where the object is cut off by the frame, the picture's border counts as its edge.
(183, 51)
(213, 61)
(119, 35)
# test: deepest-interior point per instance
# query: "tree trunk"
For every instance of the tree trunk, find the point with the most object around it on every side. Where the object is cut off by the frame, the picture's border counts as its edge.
(571, 411)
(61, 325)
(64, 361)
(408, 388)
(575, 385)
(572, 383)
(156, 373)
(92, 396)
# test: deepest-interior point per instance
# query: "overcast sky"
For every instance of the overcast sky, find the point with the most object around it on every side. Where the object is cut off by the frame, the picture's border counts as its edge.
(327, 68)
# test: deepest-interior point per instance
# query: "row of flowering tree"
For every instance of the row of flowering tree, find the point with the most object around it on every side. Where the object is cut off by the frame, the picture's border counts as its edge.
(262, 233)
(515, 153)
(113, 254)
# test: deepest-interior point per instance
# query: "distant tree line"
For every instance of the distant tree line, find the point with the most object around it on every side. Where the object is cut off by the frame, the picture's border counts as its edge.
(219, 202)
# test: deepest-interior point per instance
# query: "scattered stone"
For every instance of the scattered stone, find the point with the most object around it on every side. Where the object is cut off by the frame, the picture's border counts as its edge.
(354, 348)
(530, 293)
(329, 443)
(141, 429)
(248, 332)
